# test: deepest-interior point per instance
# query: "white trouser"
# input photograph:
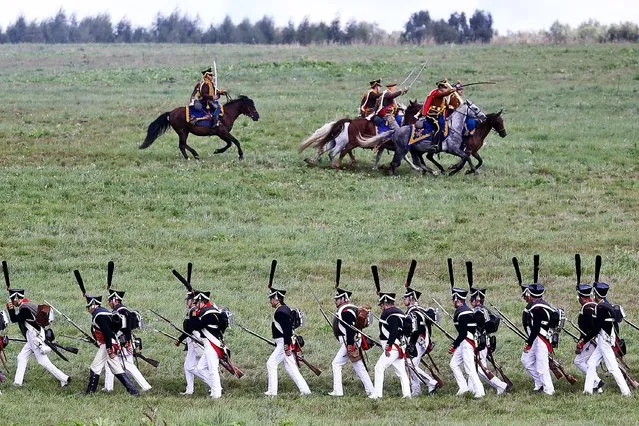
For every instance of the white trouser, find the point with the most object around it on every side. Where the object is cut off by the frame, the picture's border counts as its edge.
(208, 369)
(341, 359)
(400, 371)
(290, 365)
(102, 360)
(415, 383)
(581, 360)
(131, 368)
(536, 363)
(496, 383)
(190, 364)
(465, 354)
(604, 352)
(30, 348)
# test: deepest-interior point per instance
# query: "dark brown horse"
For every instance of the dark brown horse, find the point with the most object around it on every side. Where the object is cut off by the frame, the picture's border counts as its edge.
(474, 143)
(331, 137)
(177, 120)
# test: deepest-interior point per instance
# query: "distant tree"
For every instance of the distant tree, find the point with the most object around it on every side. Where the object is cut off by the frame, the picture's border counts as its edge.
(590, 32)
(267, 28)
(17, 32)
(559, 33)
(123, 32)
(319, 33)
(289, 33)
(142, 35)
(227, 31)
(245, 34)
(481, 26)
(350, 33)
(211, 35)
(459, 23)
(56, 30)
(96, 29)
(335, 34)
(304, 34)
(443, 33)
(74, 30)
(417, 29)
(627, 31)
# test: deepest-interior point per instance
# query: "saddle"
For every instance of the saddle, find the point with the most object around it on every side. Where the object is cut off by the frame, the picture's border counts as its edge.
(399, 118)
(199, 116)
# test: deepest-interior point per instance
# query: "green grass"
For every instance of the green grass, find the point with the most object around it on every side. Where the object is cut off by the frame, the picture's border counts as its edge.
(75, 192)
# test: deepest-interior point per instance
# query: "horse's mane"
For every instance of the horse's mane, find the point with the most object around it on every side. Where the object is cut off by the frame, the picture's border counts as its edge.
(241, 98)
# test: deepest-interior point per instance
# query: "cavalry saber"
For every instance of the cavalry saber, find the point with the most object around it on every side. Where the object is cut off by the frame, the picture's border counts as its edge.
(417, 76)
(409, 75)
(77, 327)
(479, 82)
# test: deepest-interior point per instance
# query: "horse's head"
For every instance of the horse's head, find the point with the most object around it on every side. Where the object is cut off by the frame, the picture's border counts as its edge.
(411, 110)
(247, 107)
(473, 111)
(497, 123)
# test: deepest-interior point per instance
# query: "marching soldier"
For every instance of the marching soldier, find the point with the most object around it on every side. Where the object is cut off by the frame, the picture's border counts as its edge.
(419, 343)
(102, 328)
(586, 324)
(367, 104)
(390, 334)
(211, 327)
(206, 94)
(486, 325)
(194, 351)
(386, 108)
(464, 346)
(347, 312)
(23, 312)
(605, 331)
(537, 349)
(125, 340)
(282, 332)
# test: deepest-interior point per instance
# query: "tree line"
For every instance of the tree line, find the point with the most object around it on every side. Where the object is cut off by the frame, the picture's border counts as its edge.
(176, 28)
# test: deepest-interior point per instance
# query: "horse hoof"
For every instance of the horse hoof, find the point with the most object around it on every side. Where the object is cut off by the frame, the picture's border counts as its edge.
(241, 157)
(217, 151)
(310, 162)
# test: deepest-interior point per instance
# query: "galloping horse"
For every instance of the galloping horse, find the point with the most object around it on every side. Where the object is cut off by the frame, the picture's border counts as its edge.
(177, 120)
(495, 122)
(342, 136)
(451, 143)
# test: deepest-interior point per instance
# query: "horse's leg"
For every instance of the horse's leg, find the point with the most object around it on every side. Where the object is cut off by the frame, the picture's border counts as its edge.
(229, 138)
(378, 157)
(431, 158)
(182, 143)
(480, 160)
(352, 157)
(225, 139)
(400, 153)
(417, 159)
(465, 158)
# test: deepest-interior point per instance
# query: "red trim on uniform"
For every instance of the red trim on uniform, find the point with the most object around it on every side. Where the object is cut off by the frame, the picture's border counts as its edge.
(546, 342)
(99, 336)
(217, 349)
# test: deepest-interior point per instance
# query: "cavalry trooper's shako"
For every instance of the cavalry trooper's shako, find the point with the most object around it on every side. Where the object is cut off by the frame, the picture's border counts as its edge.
(410, 292)
(93, 301)
(442, 84)
(15, 293)
(584, 290)
(477, 293)
(388, 298)
(601, 289)
(341, 293)
(209, 70)
(536, 290)
(117, 295)
(458, 293)
(375, 83)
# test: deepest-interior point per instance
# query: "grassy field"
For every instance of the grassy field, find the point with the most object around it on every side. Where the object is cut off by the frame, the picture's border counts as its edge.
(75, 192)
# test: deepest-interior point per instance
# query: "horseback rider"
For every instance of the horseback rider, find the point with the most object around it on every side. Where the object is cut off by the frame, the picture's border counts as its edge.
(386, 108)
(367, 104)
(435, 105)
(205, 96)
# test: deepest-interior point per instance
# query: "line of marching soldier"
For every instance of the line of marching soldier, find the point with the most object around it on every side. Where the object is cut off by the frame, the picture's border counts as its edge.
(405, 337)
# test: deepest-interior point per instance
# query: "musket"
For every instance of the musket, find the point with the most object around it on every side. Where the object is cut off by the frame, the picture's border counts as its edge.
(434, 371)
(151, 361)
(79, 339)
(319, 304)
(499, 369)
(69, 349)
(299, 357)
(357, 330)
(77, 327)
(555, 365)
(168, 321)
(631, 324)
(443, 309)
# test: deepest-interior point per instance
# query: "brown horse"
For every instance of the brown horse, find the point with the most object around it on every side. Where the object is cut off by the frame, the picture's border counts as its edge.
(331, 137)
(177, 120)
(474, 143)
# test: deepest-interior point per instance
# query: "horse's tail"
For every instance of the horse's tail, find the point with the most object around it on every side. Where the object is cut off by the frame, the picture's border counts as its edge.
(372, 142)
(156, 129)
(317, 137)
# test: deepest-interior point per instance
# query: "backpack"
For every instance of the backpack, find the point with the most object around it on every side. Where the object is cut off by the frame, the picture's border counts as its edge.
(134, 320)
(297, 318)
(116, 322)
(492, 325)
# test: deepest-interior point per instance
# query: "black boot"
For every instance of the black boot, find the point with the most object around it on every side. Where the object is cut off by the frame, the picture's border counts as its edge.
(126, 382)
(93, 382)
